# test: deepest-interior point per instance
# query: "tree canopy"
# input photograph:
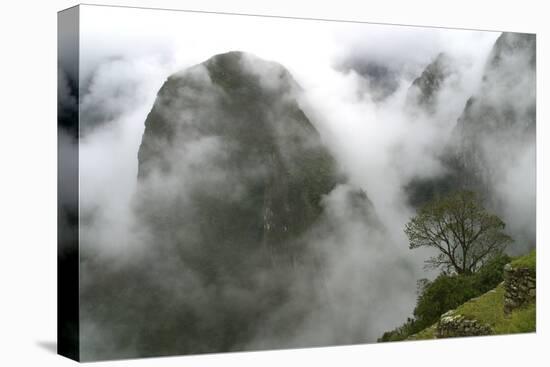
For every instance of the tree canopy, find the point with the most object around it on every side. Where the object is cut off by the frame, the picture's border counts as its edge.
(458, 226)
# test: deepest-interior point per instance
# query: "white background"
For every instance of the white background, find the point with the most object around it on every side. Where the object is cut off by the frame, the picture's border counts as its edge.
(28, 183)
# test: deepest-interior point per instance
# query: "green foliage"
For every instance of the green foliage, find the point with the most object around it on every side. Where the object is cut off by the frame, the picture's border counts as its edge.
(470, 242)
(491, 273)
(528, 261)
(427, 333)
(458, 226)
(445, 293)
(402, 332)
(489, 309)
(522, 320)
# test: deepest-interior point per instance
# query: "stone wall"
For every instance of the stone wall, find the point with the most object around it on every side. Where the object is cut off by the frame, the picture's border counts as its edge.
(520, 287)
(452, 324)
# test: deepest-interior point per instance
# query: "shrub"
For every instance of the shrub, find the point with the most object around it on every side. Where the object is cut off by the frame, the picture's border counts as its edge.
(447, 292)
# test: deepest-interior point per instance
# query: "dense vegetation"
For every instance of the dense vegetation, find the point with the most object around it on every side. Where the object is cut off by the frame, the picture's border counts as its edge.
(447, 292)
(470, 245)
(489, 309)
(231, 175)
(528, 261)
(462, 231)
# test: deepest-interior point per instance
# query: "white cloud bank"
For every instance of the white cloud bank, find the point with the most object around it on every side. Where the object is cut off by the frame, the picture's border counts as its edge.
(126, 55)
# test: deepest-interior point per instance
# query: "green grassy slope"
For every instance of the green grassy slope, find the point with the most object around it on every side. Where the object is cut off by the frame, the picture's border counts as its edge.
(489, 309)
(528, 261)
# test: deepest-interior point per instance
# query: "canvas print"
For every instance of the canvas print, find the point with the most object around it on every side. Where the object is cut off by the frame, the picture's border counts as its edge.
(241, 183)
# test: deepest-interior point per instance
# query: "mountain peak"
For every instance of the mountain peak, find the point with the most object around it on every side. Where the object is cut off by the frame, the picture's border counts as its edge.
(424, 89)
(509, 43)
(232, 130)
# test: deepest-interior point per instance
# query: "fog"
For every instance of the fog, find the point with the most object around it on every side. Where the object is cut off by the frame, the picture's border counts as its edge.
(379, 141)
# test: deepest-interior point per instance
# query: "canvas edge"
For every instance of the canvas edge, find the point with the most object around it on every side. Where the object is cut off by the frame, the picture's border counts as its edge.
(68, 255)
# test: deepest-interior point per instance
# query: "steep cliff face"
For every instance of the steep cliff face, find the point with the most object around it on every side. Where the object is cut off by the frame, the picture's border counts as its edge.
(495, 132)
(501, 118)
(232, 177)
(254, 166)
(424, 89)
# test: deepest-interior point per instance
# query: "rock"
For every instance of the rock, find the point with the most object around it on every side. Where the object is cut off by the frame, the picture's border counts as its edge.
(488, 121)
(231, 175)
(455, 325)
(519, 286)
(425, 89)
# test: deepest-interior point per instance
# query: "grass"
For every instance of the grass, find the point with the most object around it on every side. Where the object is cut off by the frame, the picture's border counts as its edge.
(489, 309)
(528, 261)
(427, 333)
(522, 320)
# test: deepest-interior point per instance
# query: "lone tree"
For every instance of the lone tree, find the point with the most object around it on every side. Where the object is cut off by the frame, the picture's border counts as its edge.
(466, 235)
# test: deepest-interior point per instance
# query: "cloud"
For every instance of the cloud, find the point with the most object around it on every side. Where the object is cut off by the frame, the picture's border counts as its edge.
(370, 274)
